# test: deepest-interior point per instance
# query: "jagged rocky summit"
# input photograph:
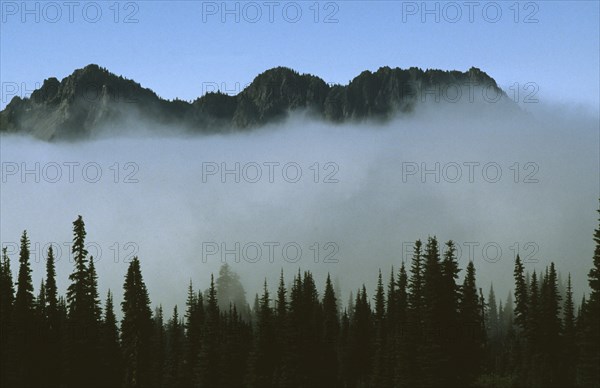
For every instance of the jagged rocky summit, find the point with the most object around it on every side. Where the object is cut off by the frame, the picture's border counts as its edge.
(92, 99)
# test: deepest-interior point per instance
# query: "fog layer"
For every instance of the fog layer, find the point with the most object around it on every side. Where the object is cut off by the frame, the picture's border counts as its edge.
(528, 183)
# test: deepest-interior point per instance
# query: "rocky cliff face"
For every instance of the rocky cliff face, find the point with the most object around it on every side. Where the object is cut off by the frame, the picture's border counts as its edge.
(82, 102)
(92, 98)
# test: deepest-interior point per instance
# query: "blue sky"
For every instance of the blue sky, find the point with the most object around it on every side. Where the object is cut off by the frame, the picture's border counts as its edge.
(182, 48)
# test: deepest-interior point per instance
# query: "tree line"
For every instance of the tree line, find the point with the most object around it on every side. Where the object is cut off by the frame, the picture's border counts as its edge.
(426, 326)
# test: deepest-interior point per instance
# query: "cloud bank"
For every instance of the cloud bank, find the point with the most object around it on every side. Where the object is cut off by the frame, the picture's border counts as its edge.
(347, 199)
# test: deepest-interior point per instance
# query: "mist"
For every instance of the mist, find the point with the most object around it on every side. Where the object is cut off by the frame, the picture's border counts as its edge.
(527, 182)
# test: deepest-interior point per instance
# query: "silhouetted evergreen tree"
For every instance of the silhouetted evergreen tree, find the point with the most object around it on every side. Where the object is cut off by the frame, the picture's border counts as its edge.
(472, 340)
(550, 329)
(533, 334)
(520, 342)
(83, 319)
(401, 344)
(391, 346)
(344, 349)
(194, 321)
(51, 337)
(569, 339)
(136, 329)
(51, 289)
(331, 329)
(261, 372)
(450, 294)
(306, 317)
(282, 336)
(23, 320)
(416, 307)
(7, 296)
(361, 341)
(432, 359)
(521, 295)
(173, 373)
(208, 360)
(40, 333)
(229, 288)
(492, 320)
(94, 296)
(380, 372)
(493, 331)
(159, 345)
(110, 358)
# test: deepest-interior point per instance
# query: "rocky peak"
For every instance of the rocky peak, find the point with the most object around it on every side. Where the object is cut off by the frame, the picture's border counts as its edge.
(93, 97)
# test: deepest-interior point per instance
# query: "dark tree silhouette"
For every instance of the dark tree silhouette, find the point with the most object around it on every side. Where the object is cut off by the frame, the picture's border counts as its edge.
(136, 329)
(23, 323)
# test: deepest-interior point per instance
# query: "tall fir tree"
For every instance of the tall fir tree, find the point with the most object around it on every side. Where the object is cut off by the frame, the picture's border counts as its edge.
(380, 373)
(264, 356)
(194, 321)
(331, 329)
(361, 341)
(24, 318)
(432, 358)
(493, 330)
(492, 320)
(83, 322)
(160, 346)
(416, 306)
(550, 325)
(391, 326)
(282, 335)
(7, 296)
(52, 337)
(472, 339)
(402, 356)
(51, 290)
(78, 295)
(450, 295)
(521, 295)
(569, 339)
(93, 291)
(229, 288)
(40, 336)
(110, 358)
(173, 371)
(136, 329)
(415, 284)
(208, 360)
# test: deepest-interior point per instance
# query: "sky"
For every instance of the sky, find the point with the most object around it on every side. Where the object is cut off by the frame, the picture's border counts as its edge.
(181, 49)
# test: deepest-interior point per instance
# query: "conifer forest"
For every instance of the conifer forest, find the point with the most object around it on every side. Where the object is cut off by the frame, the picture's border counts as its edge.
(429, 323)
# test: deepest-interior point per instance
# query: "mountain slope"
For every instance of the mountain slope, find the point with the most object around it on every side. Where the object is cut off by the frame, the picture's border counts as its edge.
(92, 99)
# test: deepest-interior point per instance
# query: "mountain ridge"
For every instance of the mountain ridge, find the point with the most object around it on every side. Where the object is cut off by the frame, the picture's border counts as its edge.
(92, 97)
